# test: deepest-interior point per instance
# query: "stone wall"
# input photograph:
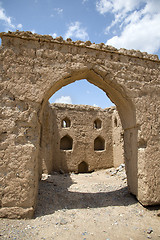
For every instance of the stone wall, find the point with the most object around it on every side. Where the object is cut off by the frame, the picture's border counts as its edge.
(77, 135)
(32, 68)
(46, 141)
(118, 142)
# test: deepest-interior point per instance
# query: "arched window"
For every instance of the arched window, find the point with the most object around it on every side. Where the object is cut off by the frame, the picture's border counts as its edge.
(97, 124)
(66, 123)
(83, 167)
(99, 144)
(66, 143)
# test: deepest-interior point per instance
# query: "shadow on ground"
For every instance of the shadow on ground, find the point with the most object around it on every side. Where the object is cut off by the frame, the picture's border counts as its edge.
(54, 195)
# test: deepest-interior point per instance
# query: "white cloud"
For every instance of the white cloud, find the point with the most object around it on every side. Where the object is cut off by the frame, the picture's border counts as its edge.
(33, 31)
(152, 6)
(58, 10)
(84, 1)
(6, 19)
(95, 105)
(103, 6)
(138, 21)
(19, 26)
(54, 35)
(75, 30)
(64, 99)
(117, 6)
(9, 26)
(143, 35)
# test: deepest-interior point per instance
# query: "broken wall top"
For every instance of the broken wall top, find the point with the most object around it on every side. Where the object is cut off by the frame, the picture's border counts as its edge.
(100, 47)
(80, 107)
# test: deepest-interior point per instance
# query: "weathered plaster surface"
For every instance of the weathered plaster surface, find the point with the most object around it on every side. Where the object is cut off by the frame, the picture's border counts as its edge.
(117, 139)
(32, 68)
(83, 131)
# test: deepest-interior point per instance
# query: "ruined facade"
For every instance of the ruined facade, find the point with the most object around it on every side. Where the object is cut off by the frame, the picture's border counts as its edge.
(77, 138)
(32, 69)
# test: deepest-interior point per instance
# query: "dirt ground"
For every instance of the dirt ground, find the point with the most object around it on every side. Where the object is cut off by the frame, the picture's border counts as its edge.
(86, 206)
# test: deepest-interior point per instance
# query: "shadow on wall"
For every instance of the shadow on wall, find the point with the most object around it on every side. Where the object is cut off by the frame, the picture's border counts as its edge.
(54, 195)
(54, 146)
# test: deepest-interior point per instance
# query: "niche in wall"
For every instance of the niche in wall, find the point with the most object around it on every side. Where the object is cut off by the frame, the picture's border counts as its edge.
(142, 143)
(97, 124)
(83, 167)
(66, 123)
(66, 143)
(99, 144)
(115, 122)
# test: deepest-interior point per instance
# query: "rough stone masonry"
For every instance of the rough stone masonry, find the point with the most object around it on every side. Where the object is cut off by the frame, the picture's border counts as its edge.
(32, 68)
(78, 138)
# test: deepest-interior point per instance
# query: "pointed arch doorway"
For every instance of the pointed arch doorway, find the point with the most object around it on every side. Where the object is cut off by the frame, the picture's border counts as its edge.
(126, 110)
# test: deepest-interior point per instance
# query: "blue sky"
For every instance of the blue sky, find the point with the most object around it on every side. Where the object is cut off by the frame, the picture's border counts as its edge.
(131, 24)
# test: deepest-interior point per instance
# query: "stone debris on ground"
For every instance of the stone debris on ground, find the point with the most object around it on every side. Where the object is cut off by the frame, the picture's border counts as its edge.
(87, 206)
(118, 169)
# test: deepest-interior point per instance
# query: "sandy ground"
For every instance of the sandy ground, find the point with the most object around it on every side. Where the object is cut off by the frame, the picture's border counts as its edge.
(86, 206)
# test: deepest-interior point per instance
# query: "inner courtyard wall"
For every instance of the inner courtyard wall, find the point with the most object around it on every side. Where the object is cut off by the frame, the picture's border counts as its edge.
(86, 126)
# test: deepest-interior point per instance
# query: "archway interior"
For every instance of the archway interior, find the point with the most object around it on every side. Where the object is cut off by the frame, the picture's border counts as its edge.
(80, 92)
(126, 110)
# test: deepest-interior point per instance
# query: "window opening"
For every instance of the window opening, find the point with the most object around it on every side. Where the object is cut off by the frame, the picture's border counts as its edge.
(97, 124)
(66, 123)
(99, 144)
(66, 143)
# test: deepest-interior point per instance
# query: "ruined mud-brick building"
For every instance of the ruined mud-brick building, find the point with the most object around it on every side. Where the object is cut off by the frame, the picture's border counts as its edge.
(78, 138)
(32, 68)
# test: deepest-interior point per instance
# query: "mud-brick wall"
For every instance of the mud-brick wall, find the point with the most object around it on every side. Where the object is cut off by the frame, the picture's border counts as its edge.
(46, 140)
(118, 141)
(80, 138)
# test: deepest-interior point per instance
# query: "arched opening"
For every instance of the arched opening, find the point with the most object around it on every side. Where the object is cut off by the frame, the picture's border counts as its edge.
(66, 143)
(97, 124)
(83, 167)
(119, 96)
(66, 123)
(112, 89)
(99, 144)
